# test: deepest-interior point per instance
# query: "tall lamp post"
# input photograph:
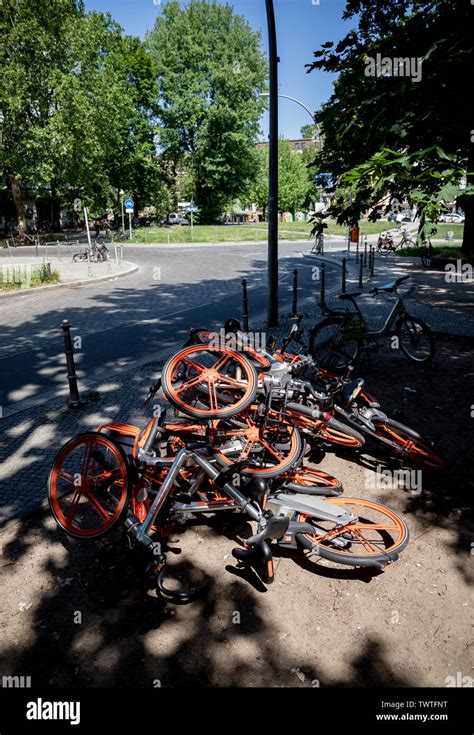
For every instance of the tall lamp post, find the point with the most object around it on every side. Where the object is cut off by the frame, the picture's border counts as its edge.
(121, 195)
(272, 279)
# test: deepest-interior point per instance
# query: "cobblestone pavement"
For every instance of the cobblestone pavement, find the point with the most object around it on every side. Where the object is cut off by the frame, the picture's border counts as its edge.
(446, 305)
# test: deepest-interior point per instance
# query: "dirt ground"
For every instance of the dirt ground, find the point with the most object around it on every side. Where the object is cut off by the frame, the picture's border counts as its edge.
(67, 619)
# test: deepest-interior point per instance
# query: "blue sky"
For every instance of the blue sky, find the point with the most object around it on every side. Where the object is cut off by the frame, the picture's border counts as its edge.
(302, 26)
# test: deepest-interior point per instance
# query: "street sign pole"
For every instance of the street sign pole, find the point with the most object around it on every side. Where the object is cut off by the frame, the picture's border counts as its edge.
(272, 278)
(87, 228)
(130, 224)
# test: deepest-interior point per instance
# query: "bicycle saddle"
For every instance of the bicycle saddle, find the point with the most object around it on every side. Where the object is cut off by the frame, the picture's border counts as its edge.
(390, 287)
(348, 296)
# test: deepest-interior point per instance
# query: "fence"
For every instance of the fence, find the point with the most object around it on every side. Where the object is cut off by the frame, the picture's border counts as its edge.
(22, 275)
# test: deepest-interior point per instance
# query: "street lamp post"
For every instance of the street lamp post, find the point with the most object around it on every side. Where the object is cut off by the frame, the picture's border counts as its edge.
(272, 282)
(121, 195)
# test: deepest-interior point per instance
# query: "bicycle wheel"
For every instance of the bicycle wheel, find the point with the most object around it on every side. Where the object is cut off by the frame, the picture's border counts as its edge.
(78, 257)
(415, 339)
(311, 481)
(209, 382)
(409, 444)
(384, 248)
(329, 346)
(408, 243)
(270, 447)
(89, 485)
(374, 538)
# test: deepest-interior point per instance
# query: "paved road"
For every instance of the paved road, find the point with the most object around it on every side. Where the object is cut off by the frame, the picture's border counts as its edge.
(174, 288)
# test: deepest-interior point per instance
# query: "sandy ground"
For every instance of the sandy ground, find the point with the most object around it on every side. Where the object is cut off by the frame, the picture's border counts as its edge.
(75, 614)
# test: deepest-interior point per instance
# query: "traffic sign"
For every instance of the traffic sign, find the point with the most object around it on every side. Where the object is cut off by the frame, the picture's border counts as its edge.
(129, 210)
(129, 204)
(192, 209)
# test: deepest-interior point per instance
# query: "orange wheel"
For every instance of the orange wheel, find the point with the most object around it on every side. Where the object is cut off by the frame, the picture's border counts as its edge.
(409, 444)
(270, 448)
(307, 477)
(375, 536)
(209, 383)
(89, 485)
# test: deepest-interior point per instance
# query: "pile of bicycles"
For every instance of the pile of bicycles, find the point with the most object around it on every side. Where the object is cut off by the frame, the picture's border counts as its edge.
(243, 425)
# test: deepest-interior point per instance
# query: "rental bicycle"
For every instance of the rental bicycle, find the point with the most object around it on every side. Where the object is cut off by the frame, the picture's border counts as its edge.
(339, 339)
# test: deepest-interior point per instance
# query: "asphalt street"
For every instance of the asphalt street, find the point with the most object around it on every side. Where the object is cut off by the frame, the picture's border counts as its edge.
(176, 287)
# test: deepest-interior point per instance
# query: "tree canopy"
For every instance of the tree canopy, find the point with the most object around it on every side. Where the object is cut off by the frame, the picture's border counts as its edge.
(210, 73)
(392, 133)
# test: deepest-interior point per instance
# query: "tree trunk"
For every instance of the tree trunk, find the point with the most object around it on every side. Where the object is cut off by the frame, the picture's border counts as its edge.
(55, 209)
(467, 203)
(19, 206)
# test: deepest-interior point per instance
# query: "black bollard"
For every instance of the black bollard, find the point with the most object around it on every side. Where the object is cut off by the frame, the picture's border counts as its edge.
(245, 307)
(343, 289)
(74, 399)
(361, 265)
(294, 305)
(322, 298)
(365, 252)
(371, 261)
(357, 251)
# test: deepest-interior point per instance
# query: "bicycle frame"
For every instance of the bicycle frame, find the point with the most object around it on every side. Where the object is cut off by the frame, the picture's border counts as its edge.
(398, 309)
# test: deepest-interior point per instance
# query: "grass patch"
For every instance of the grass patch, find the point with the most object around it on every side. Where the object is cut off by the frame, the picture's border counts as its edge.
(244, 233)
(440, 251)
(26, 276)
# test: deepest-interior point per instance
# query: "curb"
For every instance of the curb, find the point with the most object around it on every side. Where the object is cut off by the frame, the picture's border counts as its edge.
(73, 284)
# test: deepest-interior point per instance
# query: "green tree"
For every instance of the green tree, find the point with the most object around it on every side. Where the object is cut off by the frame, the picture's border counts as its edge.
(78, 101)
(32, 52)
(211, 70)
(294, 182)
(393, 136)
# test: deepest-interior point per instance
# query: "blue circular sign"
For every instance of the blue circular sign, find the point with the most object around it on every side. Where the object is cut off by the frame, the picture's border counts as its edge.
(129, 203)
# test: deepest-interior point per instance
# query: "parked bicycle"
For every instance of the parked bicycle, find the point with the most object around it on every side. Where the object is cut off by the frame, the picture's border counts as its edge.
(339, 339)
(385, 243)
(96, 252)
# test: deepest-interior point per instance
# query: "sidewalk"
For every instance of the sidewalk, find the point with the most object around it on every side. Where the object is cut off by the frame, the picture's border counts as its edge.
(447, 307)
(70, 274)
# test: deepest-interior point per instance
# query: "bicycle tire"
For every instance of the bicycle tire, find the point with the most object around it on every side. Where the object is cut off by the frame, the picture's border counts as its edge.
(409, 443)
(55, 495)
(378, 560)
(411, 321)
(171, 391)
(324, 353)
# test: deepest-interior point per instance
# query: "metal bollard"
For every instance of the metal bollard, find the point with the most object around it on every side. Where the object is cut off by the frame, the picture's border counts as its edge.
(89, 263)
(365, 252)
(322, 297)
(343, 288)
(245, 306)
(74, 399)
(294, 305)
(357, 251)
(361, 265)
(349, 244)
(371, 261)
